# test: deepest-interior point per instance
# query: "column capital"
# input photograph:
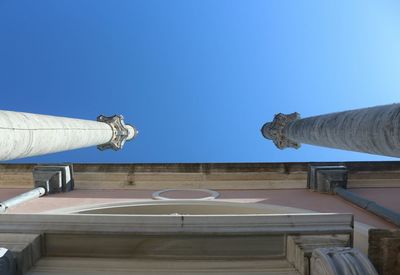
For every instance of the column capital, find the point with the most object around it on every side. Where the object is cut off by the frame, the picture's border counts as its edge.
(121, 132)
(274, 130)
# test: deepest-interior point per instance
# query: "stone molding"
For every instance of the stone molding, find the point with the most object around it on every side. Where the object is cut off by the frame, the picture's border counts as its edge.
(212, 195)
(274, 130)
(340, 260)
(321, 223)
(207, 175)
(299, 248)
(134, 265)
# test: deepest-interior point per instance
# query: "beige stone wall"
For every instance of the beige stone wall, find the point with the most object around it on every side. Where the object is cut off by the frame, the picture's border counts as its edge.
(263, 183)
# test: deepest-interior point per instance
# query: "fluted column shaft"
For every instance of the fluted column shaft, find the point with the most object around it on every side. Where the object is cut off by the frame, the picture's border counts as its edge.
(25, 134)
(374, 130)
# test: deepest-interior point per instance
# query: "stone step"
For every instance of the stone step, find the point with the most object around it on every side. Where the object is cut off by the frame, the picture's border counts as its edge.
(89, 266)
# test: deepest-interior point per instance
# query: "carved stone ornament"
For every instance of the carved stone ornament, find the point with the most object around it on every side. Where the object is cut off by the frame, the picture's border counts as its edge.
(340, 260)
(274, 130)
(120, 132)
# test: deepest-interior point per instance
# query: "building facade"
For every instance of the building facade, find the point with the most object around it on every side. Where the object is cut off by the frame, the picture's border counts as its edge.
(214, 218)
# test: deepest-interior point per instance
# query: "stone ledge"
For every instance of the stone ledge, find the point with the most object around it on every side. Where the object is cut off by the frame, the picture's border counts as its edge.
(26, 248)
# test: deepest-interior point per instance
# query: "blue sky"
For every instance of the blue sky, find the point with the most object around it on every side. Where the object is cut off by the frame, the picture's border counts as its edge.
(198, 78)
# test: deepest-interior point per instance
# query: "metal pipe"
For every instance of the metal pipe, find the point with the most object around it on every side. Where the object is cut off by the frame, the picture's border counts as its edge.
(27, 196)
(369, 205)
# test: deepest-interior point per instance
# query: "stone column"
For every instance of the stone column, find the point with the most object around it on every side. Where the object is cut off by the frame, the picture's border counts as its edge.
(25, 135)
(374, 130)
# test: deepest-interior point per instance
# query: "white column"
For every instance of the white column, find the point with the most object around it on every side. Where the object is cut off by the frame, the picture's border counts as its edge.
(374, 130)
(25, 134)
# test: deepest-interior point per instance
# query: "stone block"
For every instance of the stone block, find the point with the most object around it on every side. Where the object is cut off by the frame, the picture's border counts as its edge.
(7, 263)
(49, 180)
(324, 178)
(26, 249)
(172, 246)
(384, 250)
(55, 178)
